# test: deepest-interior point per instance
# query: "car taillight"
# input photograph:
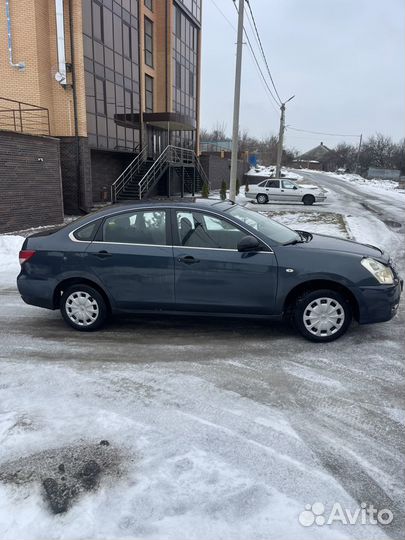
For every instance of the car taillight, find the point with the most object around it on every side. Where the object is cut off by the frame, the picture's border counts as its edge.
(25, 255)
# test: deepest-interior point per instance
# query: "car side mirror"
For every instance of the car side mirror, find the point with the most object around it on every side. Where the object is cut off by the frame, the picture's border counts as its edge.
(295, 187)
(248, 243)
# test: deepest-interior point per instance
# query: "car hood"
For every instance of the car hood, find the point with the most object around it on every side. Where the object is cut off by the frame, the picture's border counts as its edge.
(323, 242)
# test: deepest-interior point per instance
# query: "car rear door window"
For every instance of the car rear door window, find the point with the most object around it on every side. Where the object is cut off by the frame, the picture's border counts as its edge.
(275, 184)
(140, 227)
(200, 230)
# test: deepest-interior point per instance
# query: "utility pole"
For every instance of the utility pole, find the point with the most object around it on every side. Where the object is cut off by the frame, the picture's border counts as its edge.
(236, 104)
(358, 153)
(281, 138)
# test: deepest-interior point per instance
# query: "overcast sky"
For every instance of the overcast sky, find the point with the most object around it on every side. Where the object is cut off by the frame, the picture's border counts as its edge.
(343, 59)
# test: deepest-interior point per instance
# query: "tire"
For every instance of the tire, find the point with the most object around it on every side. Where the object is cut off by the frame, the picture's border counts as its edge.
(262, 199)
(311, 304)
(308, 200)
(83, 308)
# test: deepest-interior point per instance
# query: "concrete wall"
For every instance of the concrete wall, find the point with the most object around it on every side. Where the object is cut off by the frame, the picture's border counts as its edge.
(30, 182)
(218, 169)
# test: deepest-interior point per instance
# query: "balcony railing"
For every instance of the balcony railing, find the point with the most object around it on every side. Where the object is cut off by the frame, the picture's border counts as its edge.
(23, 117)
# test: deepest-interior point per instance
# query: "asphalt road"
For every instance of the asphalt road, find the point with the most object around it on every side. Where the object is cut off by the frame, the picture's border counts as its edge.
(344, 400)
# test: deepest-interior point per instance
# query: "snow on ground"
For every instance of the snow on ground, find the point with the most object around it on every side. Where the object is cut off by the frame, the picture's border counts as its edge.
(316, 222)
(10, 246)
(378, 183)
(201, 461)
(267, 172)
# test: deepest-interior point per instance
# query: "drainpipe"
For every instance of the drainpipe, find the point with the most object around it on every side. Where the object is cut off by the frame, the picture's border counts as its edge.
(19, 65)
(60, 76)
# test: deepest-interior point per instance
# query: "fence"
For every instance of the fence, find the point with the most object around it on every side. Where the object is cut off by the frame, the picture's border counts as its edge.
(23, 117)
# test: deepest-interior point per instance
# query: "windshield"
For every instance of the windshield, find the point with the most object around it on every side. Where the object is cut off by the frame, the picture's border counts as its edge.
(273, 230)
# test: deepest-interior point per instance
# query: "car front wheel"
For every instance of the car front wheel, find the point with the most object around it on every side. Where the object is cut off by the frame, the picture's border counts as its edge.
(322, 315)
(262, 199)
(308, 200)
(83, 308)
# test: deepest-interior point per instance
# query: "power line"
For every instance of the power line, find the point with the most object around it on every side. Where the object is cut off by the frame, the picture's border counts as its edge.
(257, 62)
(262, 51)
(322, 132)
(262, 80)
(223, 15)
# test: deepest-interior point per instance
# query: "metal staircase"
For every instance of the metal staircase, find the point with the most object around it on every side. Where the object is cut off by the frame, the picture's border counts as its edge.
(142, 174)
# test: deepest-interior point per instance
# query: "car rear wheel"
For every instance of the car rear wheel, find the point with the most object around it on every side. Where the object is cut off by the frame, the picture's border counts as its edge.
(262, 199)
(322, 315)
(83, 308)
(308, 200)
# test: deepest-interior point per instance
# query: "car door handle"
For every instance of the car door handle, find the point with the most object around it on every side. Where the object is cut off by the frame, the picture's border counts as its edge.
(188, 259)
(282, 190)
(102, 254)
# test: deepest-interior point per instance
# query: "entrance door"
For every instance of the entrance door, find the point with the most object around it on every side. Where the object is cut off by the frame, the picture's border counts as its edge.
(156, 141)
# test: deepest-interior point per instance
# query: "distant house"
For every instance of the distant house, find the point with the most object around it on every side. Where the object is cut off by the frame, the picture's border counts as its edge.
(320, 158)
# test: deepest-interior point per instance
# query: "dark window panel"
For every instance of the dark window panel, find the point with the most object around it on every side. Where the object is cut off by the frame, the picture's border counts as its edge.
(149, 4)
(126, 40)
(98, 52)
(97, 21)
(148, 94)
(88, 47)
(108, 27)
(117, 34)
(100, 97)
(148, 42)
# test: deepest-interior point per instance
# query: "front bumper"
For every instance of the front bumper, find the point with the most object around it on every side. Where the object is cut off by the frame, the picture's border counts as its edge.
(379, 303)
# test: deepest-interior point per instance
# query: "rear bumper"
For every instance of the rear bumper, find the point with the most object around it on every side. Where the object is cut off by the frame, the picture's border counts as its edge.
(320, 198)
(36, 292)
(379, 303)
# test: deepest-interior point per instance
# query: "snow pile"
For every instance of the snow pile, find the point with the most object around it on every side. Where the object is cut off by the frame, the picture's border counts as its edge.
(268, 172)
(367, 182)
(9, 266)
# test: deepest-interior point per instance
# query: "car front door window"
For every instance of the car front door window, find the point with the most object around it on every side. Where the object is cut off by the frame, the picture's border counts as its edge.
(200, 230)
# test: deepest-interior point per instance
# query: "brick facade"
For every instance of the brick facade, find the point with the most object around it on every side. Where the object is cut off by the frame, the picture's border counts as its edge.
(105, 169)
(30, 182)
(76, 181)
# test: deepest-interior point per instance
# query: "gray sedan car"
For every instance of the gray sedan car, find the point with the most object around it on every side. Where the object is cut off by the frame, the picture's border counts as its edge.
(205, 258)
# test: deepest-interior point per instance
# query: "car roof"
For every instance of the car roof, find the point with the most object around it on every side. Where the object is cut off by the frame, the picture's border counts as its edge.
(192, 203)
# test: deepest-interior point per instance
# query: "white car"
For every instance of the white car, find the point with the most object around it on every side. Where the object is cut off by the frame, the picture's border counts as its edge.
(284, 190)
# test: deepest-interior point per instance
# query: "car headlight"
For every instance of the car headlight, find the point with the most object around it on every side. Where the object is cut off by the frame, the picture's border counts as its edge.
(381, 272)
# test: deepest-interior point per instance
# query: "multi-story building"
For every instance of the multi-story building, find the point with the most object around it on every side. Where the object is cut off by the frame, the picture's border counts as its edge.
(116, 79)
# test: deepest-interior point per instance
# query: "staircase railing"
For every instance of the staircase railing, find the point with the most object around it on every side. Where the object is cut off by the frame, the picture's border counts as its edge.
(171, 155)
(127, 174)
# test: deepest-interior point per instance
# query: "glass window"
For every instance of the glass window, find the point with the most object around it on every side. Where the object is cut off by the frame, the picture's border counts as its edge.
(148, 42)
(148, 94)
(147, 227)
(271, 229)
(100, 97)
(149, 4)
(87, 233)
(273, 184)
(287, 184)
(97, 21)
(126, 40)
(206, 231)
